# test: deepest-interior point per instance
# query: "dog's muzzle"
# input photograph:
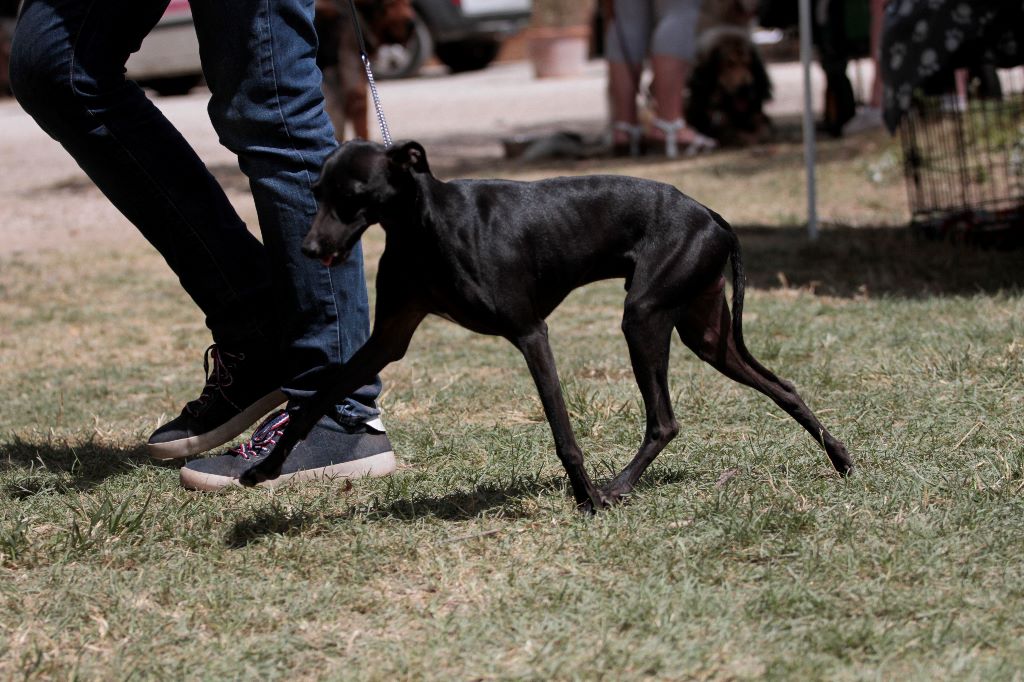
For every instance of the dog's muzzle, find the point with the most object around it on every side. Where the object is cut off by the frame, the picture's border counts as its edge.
(322, 242)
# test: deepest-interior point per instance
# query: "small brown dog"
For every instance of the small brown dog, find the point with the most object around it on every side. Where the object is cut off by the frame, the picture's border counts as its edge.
(728, 88)
(344, 86)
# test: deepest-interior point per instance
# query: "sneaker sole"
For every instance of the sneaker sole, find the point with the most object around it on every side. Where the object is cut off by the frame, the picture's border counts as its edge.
(368, 467)
(229, 430)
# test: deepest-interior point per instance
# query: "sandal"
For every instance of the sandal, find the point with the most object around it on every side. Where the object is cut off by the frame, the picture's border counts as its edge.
(698, 145)
(631, 147)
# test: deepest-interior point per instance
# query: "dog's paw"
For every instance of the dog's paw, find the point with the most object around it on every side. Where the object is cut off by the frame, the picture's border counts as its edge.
(616, 494)
(596, 501)
(257, 474)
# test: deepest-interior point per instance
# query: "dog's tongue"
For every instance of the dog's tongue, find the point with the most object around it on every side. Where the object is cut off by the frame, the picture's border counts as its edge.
(328, 260)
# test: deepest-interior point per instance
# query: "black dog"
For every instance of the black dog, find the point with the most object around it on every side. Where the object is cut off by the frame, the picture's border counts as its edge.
(497, 257)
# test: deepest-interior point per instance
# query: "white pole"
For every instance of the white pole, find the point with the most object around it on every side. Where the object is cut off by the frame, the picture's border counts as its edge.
(809, 144)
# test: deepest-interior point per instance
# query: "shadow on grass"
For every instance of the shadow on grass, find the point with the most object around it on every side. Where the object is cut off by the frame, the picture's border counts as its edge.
(505, 501)
(456, 506)
(273, 520)
(63, 466)
(873, 261)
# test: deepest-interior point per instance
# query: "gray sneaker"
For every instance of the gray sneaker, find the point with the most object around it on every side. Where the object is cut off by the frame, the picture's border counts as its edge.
(330, 451)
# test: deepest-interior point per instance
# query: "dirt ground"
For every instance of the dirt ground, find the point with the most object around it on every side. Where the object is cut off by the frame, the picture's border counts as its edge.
(47, 202)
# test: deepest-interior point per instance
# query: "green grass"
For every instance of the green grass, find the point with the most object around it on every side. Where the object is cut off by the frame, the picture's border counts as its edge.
(741, 555)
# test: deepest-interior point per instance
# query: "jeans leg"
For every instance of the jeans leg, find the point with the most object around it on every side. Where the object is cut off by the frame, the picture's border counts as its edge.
(259, 58)
(67, 72)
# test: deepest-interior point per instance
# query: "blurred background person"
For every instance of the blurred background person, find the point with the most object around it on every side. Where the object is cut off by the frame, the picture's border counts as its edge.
(665, 31)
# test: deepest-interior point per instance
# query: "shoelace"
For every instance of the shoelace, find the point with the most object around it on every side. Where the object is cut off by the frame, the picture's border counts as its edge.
(216, 379)
(264, 437)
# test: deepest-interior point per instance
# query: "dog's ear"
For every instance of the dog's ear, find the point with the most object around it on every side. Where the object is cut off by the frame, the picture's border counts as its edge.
(409, 156)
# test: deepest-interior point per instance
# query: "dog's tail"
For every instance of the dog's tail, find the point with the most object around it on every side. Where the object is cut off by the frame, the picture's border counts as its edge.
(738, 287)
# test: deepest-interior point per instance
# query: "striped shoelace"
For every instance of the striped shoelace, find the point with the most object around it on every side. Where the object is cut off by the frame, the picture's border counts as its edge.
(264, 437)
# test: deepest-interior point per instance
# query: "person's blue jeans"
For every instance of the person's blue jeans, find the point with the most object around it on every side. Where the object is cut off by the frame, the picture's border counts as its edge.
(259, 59)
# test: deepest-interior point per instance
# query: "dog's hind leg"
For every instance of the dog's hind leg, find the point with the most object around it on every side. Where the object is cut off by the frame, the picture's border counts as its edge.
(537, 351)
(648, 335)
(705, 326)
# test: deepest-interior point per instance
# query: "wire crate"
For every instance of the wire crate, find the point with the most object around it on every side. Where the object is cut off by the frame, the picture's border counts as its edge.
(963, 153)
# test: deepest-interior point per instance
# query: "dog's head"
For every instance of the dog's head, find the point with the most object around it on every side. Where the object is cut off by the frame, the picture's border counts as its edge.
(728, 54)
(390, 21)
(359, 182)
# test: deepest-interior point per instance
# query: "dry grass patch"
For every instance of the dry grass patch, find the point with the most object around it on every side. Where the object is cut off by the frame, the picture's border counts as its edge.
(741, 556)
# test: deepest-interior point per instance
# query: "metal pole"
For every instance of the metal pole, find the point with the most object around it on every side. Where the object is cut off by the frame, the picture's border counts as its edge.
(809, 142)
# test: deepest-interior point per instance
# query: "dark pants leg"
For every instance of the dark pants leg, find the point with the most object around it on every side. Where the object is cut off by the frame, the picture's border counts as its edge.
(259, 59)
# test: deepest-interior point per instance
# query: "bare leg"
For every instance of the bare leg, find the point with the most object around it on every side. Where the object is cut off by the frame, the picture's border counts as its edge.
(623, 83)
(670, 74)
(627, 30)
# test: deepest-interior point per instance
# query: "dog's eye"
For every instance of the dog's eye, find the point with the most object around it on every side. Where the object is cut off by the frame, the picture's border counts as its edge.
(349, 197)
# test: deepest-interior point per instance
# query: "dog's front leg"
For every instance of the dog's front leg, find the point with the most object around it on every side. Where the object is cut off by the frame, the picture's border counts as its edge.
(388, 342)
(339, 383)
(535, 348)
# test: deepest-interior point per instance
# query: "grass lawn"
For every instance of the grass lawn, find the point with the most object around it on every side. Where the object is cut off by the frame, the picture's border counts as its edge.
(742, 555)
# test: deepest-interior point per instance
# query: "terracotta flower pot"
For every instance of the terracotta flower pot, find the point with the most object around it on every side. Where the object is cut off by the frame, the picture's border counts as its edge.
(557, 52)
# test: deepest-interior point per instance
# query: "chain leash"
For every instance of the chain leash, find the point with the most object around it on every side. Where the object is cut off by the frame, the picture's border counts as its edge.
(385, 132)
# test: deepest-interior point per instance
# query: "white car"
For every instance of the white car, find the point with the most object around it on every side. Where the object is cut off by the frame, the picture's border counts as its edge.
(168, 60)
(464, 35)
